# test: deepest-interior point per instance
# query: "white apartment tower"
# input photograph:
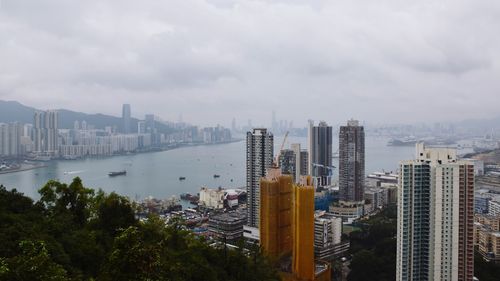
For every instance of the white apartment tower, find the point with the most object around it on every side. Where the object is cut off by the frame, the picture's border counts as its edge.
(260, 144)
(435, 217)
(45, 132)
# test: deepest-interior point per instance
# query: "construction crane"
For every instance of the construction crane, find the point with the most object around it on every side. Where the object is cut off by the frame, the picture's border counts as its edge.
(277, 159)
(329, 168)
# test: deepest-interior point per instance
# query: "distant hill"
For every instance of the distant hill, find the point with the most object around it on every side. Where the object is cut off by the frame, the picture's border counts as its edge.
(13, 111)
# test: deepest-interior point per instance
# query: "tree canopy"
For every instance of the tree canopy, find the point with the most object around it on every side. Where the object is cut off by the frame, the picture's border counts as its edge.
(75, 233)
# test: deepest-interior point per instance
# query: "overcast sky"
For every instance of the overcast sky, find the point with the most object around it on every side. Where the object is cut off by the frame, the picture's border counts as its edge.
(211, 60)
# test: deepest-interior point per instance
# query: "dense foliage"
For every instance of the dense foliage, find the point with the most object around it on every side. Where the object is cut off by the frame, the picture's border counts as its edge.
(374, 248)
(75, 233)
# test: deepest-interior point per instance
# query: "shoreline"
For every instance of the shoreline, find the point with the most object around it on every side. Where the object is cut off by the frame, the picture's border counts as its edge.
(32, 167)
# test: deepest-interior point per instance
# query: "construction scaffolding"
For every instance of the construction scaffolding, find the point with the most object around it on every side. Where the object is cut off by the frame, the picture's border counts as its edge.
(303, 265)
(276, 214)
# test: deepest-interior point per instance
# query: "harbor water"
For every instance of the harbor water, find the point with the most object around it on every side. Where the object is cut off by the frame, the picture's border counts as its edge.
(157, 174)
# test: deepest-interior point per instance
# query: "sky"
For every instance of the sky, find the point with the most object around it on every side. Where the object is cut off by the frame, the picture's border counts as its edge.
(384, 61)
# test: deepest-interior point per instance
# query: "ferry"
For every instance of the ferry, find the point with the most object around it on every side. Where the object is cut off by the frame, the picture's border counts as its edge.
(216, 176)
(407, 141)
(120, 173)
(182, 178)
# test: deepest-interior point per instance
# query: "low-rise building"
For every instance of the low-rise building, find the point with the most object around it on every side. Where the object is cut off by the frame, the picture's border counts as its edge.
(487, 236)
(328, 236)
(211, 198)
(227, 227)
(376, 197)
(348, 211)
(494, 207)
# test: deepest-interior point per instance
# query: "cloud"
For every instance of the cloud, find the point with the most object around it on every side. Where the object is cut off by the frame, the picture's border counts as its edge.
(381, 61)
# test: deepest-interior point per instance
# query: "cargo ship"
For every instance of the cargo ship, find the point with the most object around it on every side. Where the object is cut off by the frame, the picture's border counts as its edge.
(120, 173)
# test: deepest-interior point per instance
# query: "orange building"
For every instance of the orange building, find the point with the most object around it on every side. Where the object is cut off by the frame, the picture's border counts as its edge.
(287, 226)
(303, 265)
(276, 214)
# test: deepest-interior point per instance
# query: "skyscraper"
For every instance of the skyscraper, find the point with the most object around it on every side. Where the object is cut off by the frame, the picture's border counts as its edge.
(38, 131)
(274, 124)
(126, 113)
(288, 163)
(320, 153)
(4, 139)
(46, 132)
(352, 162)
(301, 161)
(141, 127)
(51, 133)
(259, 157)
(435, 217)
(15, 134)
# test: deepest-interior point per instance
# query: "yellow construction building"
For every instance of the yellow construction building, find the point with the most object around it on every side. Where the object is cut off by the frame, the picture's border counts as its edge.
(303, 230)
(287, 227)
(276, 214)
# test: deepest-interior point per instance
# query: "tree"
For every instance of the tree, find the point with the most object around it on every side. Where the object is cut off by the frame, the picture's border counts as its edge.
(74, 233)
(73, 200)
(34, 263)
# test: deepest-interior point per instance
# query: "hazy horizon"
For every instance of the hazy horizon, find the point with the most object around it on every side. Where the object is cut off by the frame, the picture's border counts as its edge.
(211, 60)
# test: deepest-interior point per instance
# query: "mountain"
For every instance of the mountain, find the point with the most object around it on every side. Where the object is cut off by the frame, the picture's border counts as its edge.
(13, 111)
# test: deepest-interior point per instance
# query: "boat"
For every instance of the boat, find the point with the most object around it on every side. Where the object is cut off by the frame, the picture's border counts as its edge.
(182, 178)
(216, 176)
(119, 173)
(407, 141)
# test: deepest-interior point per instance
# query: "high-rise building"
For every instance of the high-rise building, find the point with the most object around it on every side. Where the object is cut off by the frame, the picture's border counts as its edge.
(276, 214)
(4, 139)
(15, 134)
(126, 115)
(150, 122)
(288, 163)
(274, 123)
(38, 131)
(301, 161)
(141, 127)
(303, 265)
(233, 126)
(435, 237)
(320, 153)
(352, 162)
(46, 132)
(259, 157)
(51, 133)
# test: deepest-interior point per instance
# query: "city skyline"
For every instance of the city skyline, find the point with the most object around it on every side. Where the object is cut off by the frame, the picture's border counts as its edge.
(377, 60)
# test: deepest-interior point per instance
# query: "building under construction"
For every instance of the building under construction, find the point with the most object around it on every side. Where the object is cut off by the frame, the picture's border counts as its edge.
(276, 214)
(287, 227)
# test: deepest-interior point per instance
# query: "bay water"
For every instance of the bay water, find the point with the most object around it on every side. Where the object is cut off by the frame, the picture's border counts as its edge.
(157, 174)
